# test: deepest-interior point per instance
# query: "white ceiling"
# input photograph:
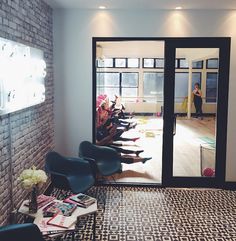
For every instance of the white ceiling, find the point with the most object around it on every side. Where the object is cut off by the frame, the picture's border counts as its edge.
(144, 4)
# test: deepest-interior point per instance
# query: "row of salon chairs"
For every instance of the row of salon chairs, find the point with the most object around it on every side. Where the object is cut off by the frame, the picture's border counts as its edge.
(75, 174)
(79, 174)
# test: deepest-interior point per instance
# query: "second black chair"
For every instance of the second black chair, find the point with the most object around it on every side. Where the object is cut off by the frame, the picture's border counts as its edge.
(75, 174)
(106, 160)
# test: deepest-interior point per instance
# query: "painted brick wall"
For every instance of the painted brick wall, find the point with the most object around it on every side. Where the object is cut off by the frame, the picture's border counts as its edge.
(27, 135)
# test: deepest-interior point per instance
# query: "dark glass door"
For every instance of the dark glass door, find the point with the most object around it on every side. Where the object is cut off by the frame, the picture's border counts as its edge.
(195, 111)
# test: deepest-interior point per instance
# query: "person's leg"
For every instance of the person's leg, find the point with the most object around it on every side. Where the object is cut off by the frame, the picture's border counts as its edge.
(195, 106)
(130, 160)
(125, 151)
(196, 103)
(200, 109)
(117, 137)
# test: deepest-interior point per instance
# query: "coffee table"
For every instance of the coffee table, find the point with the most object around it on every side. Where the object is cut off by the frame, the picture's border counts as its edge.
(79, 212)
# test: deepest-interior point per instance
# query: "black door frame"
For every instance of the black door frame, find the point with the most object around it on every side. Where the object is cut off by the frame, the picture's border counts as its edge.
(222, 111)
(223, 43)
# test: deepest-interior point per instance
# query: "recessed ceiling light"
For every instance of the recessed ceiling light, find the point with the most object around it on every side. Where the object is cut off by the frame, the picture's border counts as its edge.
(102, 7)
(178, 8)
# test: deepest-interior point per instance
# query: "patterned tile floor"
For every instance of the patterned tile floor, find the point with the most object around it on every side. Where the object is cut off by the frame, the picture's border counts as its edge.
(156, 214)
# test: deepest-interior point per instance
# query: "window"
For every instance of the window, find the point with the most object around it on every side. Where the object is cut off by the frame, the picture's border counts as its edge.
(183, 64)
(197, 64)
(211, 87)
(196, 78)
(133, 63)
(129, 85)
(108, 83)
(123, 84)
(159, 63)
(181, 84)
(153, 86)
(148, 63)
(120, 63)
(212, 63)
(105, 63)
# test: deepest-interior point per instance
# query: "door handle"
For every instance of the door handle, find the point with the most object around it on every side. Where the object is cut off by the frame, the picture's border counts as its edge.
(174, 124)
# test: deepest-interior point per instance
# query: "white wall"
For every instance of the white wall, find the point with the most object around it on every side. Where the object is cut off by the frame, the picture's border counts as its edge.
(74, 30)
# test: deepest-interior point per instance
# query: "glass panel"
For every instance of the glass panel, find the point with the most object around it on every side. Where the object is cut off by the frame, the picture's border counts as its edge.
(153, 86)
(108, 79)
(197, 64)
(194, 137)
(183, 64)
(181, 84)
(148, 63)
(131, 118)
(105, 63)
(129, 92)
(159, 63)
(212, 63)
(211, 87)
(133, 63)
(110, 92)
(129, 80)
(120, 63)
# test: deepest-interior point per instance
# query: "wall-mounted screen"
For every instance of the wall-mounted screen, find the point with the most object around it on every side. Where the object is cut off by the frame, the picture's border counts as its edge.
(22, 73)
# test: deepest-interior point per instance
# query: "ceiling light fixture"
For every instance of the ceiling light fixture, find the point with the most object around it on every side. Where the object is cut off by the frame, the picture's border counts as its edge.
(102, 7)
(178, 8)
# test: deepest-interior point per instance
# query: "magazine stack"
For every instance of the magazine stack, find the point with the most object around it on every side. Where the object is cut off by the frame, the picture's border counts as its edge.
(58, 217)
(81, 200)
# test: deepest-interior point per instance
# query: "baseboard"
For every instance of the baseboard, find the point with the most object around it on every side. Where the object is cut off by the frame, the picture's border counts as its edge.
(230, 186)
(177, 114)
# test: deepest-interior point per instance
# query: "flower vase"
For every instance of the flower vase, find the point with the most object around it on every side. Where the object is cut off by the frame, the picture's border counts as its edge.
(33, 205)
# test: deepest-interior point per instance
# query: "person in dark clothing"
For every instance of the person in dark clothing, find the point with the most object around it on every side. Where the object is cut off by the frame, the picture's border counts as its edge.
(197, 100)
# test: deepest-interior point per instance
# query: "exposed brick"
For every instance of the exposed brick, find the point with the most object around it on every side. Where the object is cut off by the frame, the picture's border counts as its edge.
(28, 22)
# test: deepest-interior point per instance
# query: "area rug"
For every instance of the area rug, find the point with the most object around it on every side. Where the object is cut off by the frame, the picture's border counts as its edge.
(158, 214)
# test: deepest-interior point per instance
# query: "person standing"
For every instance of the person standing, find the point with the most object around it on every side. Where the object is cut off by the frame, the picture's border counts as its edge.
(197, 100)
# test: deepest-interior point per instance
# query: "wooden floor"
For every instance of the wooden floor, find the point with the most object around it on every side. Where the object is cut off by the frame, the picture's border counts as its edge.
(189, 135)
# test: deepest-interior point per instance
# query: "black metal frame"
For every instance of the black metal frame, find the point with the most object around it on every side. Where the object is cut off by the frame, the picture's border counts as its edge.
(222, 109)
(223, 43)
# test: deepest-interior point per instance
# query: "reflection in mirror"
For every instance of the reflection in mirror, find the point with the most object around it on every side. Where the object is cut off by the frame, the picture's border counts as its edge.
(196, 81)
(129, 94)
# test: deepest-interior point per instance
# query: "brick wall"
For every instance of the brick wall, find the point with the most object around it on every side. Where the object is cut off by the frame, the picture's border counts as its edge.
(27, 135)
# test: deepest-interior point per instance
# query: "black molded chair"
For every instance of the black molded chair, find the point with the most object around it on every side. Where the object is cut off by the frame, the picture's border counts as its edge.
(70, 173)
(24, 232)
(105, 159)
